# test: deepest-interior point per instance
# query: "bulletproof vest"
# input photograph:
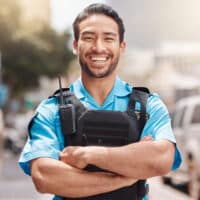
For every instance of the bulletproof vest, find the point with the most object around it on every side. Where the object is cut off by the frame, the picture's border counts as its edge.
(83, 127)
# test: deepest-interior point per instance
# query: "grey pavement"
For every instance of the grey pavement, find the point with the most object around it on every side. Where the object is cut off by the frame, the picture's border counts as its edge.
(15, 185)
(158, 191)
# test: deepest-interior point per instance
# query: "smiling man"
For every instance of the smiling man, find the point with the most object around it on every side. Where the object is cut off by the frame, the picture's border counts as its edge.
(120, 135)
(98, 49)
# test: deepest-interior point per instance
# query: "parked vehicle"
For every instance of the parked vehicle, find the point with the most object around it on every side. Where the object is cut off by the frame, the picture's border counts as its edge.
(1, 138)
(186, 126)
(16, 132)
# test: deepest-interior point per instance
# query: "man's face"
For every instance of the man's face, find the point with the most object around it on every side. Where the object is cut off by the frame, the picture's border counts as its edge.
(98, 47)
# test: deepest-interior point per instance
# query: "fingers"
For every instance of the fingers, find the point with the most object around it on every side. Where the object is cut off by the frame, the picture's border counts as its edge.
(70, 149)
(63, 157)
(73, 156)
(147, 138)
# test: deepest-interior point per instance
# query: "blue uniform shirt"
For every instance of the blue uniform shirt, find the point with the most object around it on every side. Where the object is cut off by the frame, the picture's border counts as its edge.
(46, 136)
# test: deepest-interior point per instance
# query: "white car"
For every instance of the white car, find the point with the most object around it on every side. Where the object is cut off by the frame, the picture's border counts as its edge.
(186, 127)
(1, 139)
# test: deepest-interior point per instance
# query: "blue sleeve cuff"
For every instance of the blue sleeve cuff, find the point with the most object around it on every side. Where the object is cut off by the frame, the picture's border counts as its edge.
(36, 149)
(177, 160)
(24, 162)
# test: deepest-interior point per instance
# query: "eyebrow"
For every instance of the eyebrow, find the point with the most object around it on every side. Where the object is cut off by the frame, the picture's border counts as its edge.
(105, 33)
(88, 33)
(110, 33)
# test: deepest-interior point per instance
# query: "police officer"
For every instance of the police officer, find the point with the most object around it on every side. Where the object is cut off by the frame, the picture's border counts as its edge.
(56, 169)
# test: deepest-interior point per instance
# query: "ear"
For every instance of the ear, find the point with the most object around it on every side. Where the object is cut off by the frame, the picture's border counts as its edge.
(122, 46)
(75, 47)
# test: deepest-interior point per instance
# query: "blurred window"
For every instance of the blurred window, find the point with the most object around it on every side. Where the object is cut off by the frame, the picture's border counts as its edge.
(182, 114)
(179, 117)
(1, 123)
(196, 115)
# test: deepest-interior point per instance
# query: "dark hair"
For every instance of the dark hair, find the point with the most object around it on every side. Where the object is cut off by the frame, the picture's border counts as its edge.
(98, 8)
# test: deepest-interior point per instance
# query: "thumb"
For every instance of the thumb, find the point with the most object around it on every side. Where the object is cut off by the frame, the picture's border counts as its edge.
(147, 138)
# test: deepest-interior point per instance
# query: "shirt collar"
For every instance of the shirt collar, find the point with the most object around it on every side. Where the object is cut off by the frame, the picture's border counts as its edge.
(78, 89)
(120, 88)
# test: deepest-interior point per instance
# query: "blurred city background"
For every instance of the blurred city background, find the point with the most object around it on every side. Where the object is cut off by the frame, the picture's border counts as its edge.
(163, 53)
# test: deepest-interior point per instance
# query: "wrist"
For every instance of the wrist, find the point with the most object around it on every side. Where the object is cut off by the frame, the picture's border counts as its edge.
(97, 155)
(87, 155)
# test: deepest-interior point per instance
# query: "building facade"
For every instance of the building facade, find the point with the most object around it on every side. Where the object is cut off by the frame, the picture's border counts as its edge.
(152, 22)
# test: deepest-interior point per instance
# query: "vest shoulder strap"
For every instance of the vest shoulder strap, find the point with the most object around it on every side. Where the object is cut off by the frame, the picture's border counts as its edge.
(143, 89)
(57, 93)
(139, 95)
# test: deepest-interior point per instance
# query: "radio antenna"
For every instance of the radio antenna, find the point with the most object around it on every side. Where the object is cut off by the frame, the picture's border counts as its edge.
(61, 91)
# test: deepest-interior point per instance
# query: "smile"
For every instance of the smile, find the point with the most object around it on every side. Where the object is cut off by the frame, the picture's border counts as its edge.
(99, 59)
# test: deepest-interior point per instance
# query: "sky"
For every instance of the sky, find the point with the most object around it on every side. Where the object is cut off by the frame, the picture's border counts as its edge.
(64, 12)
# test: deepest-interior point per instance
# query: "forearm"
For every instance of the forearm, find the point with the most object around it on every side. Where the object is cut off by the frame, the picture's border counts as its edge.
(139, 160)
(56, 177)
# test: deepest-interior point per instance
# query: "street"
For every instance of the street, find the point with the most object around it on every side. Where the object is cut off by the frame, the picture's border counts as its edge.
(159, 191)
(14, 185)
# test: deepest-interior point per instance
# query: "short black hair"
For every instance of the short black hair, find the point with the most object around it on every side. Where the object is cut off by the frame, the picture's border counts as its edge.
(98, 8)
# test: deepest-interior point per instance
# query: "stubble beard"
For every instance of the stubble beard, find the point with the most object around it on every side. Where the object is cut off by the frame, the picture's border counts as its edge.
(90, 73)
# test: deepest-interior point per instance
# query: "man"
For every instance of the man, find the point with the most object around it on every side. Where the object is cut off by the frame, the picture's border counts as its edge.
(99, 42)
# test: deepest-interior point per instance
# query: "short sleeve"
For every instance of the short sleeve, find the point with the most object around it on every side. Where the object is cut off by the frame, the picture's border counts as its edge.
(43, 139)
(159, 125)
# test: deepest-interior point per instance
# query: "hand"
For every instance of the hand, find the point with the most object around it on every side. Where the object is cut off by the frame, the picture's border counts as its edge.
(146, 138)
(75, 156)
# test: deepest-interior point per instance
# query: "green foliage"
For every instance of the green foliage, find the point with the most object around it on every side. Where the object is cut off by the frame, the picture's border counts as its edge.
(26, 57)
(57, 55)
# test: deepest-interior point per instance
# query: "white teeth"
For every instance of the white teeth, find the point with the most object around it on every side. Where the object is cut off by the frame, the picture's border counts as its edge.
(98, 59)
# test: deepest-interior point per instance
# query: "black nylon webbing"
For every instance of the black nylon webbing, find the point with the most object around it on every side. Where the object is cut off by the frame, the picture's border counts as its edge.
(138, 95)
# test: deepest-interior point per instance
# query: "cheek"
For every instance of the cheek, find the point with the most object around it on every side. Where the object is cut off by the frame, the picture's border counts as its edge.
(83, 45)
(82, 49)
(116, 53)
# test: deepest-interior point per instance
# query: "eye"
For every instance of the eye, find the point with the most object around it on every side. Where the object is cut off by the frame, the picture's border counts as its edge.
(88, 38)
(109, 39)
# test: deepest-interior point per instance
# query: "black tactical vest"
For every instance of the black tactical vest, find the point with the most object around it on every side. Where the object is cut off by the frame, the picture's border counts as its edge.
(83, 127)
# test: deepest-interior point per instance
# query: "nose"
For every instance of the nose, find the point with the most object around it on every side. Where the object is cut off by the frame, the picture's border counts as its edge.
(98, 46)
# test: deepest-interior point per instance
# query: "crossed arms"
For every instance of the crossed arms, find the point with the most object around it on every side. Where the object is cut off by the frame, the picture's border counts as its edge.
(66, 177)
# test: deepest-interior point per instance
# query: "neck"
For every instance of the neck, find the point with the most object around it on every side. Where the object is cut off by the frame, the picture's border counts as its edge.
(99, 88)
